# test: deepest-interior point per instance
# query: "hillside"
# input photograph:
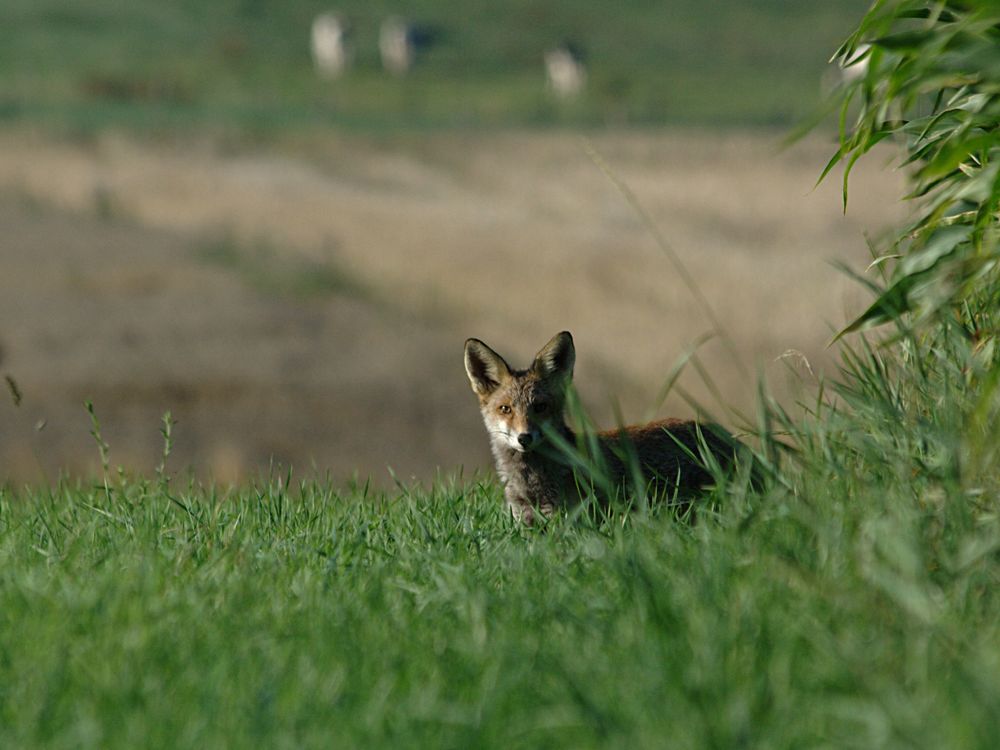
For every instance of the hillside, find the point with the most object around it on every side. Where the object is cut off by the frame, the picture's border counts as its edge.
(246, 64)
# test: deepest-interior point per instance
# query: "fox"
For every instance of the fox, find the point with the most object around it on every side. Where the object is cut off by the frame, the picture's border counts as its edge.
(525, 416)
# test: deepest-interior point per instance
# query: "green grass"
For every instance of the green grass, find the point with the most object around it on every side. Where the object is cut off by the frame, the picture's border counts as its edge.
(245, 64)
(852, 601)
(852, 610)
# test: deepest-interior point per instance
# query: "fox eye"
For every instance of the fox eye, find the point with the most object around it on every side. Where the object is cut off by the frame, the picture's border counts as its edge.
(541, 407)
(504, 409)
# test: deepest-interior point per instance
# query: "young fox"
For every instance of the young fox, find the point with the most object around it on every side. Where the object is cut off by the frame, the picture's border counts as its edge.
(521, 408)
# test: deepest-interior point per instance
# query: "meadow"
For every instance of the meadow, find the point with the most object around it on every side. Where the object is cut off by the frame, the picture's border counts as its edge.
(849, 598)
(853, 603)
(243, 66)
(299, 615)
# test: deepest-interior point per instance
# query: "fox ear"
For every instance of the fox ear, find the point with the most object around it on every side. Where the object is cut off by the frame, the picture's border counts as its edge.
(556, 358)
(486, 369)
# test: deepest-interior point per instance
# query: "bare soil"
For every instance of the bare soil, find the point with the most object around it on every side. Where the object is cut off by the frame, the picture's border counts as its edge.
(307, 304)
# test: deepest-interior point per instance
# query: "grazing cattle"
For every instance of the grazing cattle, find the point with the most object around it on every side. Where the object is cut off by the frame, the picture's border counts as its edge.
(331, 47)
(565, 71)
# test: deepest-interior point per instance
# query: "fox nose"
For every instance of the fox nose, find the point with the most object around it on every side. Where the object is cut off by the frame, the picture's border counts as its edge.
(525, 439)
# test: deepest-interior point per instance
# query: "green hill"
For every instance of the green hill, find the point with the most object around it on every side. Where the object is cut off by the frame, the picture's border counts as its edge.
(246, 63)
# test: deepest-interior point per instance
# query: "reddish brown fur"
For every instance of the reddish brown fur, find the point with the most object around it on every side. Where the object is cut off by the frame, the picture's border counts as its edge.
(668, 451)
(521, 407)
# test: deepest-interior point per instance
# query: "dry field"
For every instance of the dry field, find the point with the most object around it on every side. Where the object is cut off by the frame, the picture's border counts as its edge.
(308, 303)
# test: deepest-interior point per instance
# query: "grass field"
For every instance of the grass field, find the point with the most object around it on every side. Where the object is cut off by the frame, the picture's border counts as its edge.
(849, 599)
(851, 602)
(244, 64)
(292, 614)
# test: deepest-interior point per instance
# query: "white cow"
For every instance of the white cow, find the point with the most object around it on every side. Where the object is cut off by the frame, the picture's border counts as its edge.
(565, 71)
(331, 45)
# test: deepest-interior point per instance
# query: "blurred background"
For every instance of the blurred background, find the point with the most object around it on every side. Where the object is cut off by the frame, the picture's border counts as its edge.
(279, 221)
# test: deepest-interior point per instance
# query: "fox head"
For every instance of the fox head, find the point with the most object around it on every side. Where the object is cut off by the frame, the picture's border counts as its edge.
(518, 404)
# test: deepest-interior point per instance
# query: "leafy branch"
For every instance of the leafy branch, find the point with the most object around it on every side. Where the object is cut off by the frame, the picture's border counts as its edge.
(927, 75)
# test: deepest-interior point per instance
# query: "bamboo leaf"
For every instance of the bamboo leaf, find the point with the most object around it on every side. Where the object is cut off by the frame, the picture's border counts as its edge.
(904, 40)
(941, 243)
(933, 82)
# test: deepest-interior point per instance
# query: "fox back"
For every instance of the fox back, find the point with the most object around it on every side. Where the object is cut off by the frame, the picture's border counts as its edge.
(524, 414)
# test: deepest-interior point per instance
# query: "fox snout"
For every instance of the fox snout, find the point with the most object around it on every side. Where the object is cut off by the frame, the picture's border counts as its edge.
(527, 441)
(519, 437)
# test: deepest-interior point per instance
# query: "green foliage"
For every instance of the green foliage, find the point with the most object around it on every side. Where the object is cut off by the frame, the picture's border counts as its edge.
(932, 84)
(922, 406)
(245, 63)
